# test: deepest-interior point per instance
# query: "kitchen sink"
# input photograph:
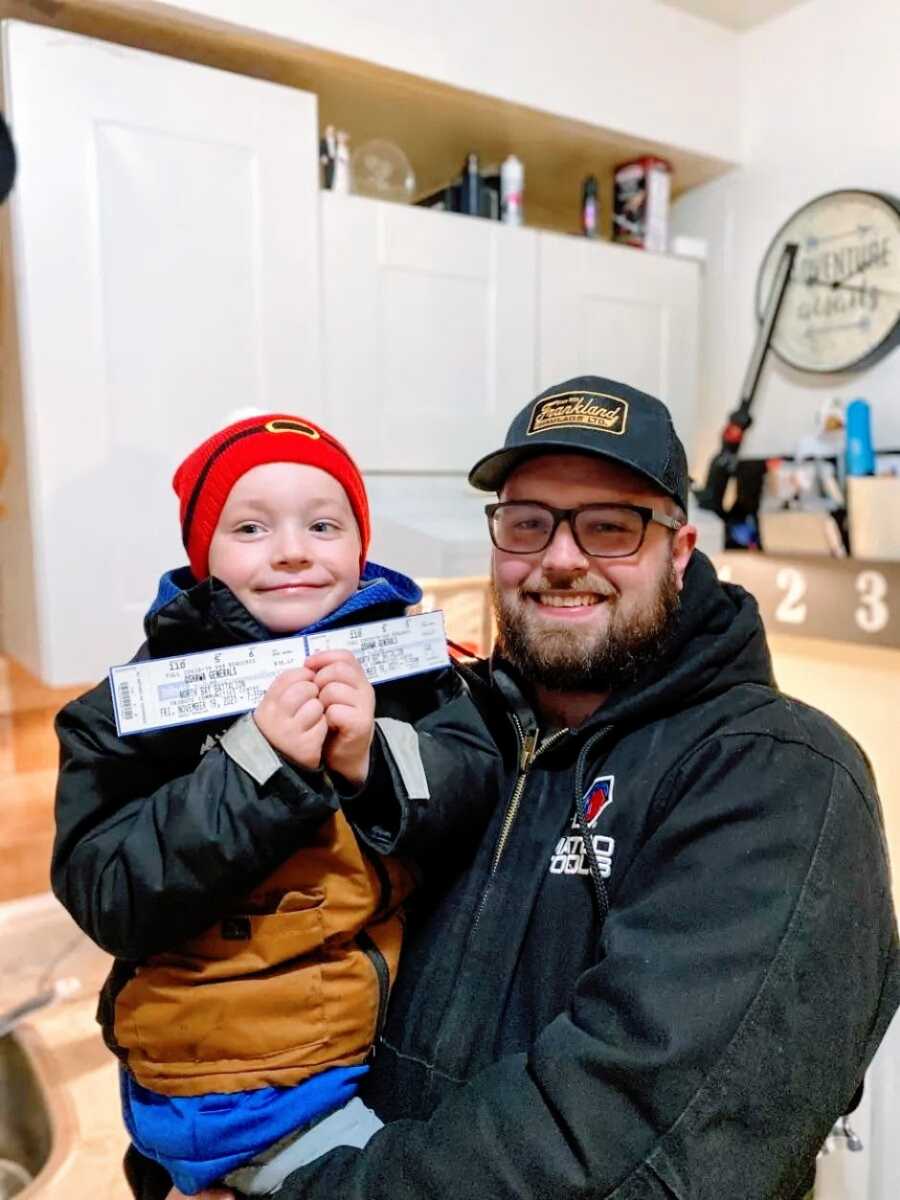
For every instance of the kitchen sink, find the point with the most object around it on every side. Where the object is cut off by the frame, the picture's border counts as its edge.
(29, 1121)
(45, 961)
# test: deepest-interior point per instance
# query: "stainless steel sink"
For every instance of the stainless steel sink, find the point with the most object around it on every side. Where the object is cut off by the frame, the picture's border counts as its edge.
(40, 947)
(27, 1118)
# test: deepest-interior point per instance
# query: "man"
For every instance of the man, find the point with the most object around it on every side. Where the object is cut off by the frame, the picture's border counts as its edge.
(671, 961)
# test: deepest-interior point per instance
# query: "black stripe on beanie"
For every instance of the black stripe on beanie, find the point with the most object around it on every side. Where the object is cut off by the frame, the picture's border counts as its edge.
(201, 478)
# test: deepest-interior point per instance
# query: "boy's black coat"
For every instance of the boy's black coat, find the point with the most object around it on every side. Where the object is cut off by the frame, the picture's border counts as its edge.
(151, 848)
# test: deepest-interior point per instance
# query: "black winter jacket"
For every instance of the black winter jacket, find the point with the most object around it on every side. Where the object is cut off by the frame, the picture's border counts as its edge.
(699, 1042)
(159, 835)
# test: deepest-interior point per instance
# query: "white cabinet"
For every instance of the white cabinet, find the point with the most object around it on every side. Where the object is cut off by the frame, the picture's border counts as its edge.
(429, 332)
(171, 261)
(624, 314)
(165, 253)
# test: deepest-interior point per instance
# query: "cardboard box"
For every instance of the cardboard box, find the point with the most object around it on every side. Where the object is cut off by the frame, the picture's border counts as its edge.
(873, 516)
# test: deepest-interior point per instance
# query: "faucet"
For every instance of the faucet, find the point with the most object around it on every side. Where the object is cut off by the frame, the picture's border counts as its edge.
(843, 1129)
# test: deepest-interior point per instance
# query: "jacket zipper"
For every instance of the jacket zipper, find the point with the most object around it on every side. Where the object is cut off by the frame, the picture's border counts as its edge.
(384, 881)
(528, 752)
(601, 896)
(382, 975)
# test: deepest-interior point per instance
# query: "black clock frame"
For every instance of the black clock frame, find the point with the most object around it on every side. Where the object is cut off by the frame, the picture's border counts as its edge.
(891, 339)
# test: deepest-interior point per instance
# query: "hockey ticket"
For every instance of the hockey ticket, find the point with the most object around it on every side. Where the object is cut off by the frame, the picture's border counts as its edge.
(200, 686)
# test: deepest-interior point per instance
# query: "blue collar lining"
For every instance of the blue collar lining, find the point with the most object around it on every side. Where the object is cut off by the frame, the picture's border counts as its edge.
(377, 585)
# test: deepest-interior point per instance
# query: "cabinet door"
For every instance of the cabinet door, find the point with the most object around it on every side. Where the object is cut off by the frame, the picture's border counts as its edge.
(429, 332)
(624, 314)
(165, 241)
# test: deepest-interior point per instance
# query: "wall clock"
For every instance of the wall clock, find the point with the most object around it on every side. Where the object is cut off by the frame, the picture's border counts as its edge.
(841, 309)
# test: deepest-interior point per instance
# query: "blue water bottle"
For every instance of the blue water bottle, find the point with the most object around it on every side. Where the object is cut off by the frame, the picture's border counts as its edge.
(860, 457)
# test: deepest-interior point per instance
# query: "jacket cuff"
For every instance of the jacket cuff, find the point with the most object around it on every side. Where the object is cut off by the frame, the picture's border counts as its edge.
(245, 745)
(380, 812)
(402, 743)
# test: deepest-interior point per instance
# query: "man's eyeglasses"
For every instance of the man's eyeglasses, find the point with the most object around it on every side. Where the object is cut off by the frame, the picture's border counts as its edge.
(599, 530)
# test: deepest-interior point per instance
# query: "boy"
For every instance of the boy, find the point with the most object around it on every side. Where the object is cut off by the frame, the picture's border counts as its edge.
(239, 1033)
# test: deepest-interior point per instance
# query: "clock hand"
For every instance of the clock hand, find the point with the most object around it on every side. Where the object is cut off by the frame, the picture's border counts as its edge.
(836, 283)
(849, 287)
(858, 231)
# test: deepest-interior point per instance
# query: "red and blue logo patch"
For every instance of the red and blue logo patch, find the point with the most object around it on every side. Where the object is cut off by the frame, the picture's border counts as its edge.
(598, 797)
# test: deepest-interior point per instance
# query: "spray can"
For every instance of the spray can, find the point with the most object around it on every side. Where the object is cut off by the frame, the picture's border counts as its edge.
(512, 187)
(341, 180)
(589, 207)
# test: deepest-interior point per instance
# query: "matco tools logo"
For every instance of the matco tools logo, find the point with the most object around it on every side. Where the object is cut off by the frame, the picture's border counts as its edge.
(596, 410)
(598, 797)
(570, 856)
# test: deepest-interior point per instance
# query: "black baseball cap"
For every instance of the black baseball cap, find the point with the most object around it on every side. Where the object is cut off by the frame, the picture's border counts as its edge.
(592, 415)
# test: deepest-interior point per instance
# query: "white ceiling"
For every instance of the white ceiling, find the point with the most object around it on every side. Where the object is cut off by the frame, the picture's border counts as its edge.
(735, 14)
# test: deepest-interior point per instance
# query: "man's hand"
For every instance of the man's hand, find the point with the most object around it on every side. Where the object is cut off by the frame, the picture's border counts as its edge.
(349, 703)
(291, 718)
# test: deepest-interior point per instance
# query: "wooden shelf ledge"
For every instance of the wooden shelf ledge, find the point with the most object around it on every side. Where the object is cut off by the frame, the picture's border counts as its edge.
(434, 123)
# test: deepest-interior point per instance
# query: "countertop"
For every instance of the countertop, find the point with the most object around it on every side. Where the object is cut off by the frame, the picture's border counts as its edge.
(37, 937)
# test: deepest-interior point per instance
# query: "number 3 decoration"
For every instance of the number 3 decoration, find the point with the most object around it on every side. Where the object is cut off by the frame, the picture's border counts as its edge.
(872, 614)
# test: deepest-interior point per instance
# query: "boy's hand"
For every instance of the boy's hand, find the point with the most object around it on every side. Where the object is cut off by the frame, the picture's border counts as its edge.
(349, 703)
(291, 718)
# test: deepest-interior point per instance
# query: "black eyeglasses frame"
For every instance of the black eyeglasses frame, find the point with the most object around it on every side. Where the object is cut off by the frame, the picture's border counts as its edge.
(647, 515)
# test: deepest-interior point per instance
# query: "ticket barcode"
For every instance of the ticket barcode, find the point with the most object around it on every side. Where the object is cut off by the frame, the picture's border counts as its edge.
(125, 702)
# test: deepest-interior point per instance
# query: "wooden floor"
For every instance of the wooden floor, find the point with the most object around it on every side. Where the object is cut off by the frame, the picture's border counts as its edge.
(28, 759)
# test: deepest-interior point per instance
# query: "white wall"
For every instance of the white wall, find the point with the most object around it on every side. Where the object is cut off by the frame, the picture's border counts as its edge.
(820, 103)
(642, 67)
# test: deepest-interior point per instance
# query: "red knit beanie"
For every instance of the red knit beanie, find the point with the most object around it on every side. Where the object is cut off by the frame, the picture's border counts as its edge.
(205, 478)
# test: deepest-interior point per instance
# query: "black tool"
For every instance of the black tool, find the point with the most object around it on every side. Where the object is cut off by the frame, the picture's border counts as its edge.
(723, 466)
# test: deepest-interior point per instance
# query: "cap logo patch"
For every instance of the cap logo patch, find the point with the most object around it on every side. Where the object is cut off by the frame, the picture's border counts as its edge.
(579, 410)
(283, 426)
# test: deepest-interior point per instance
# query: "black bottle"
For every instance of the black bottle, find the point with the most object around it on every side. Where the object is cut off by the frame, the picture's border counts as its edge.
(470, 190)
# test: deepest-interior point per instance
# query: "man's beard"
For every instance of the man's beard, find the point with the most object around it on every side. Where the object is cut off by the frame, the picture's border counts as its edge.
(572, 660)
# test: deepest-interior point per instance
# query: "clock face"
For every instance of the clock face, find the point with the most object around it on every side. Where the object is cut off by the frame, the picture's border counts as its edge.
(841, 309)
